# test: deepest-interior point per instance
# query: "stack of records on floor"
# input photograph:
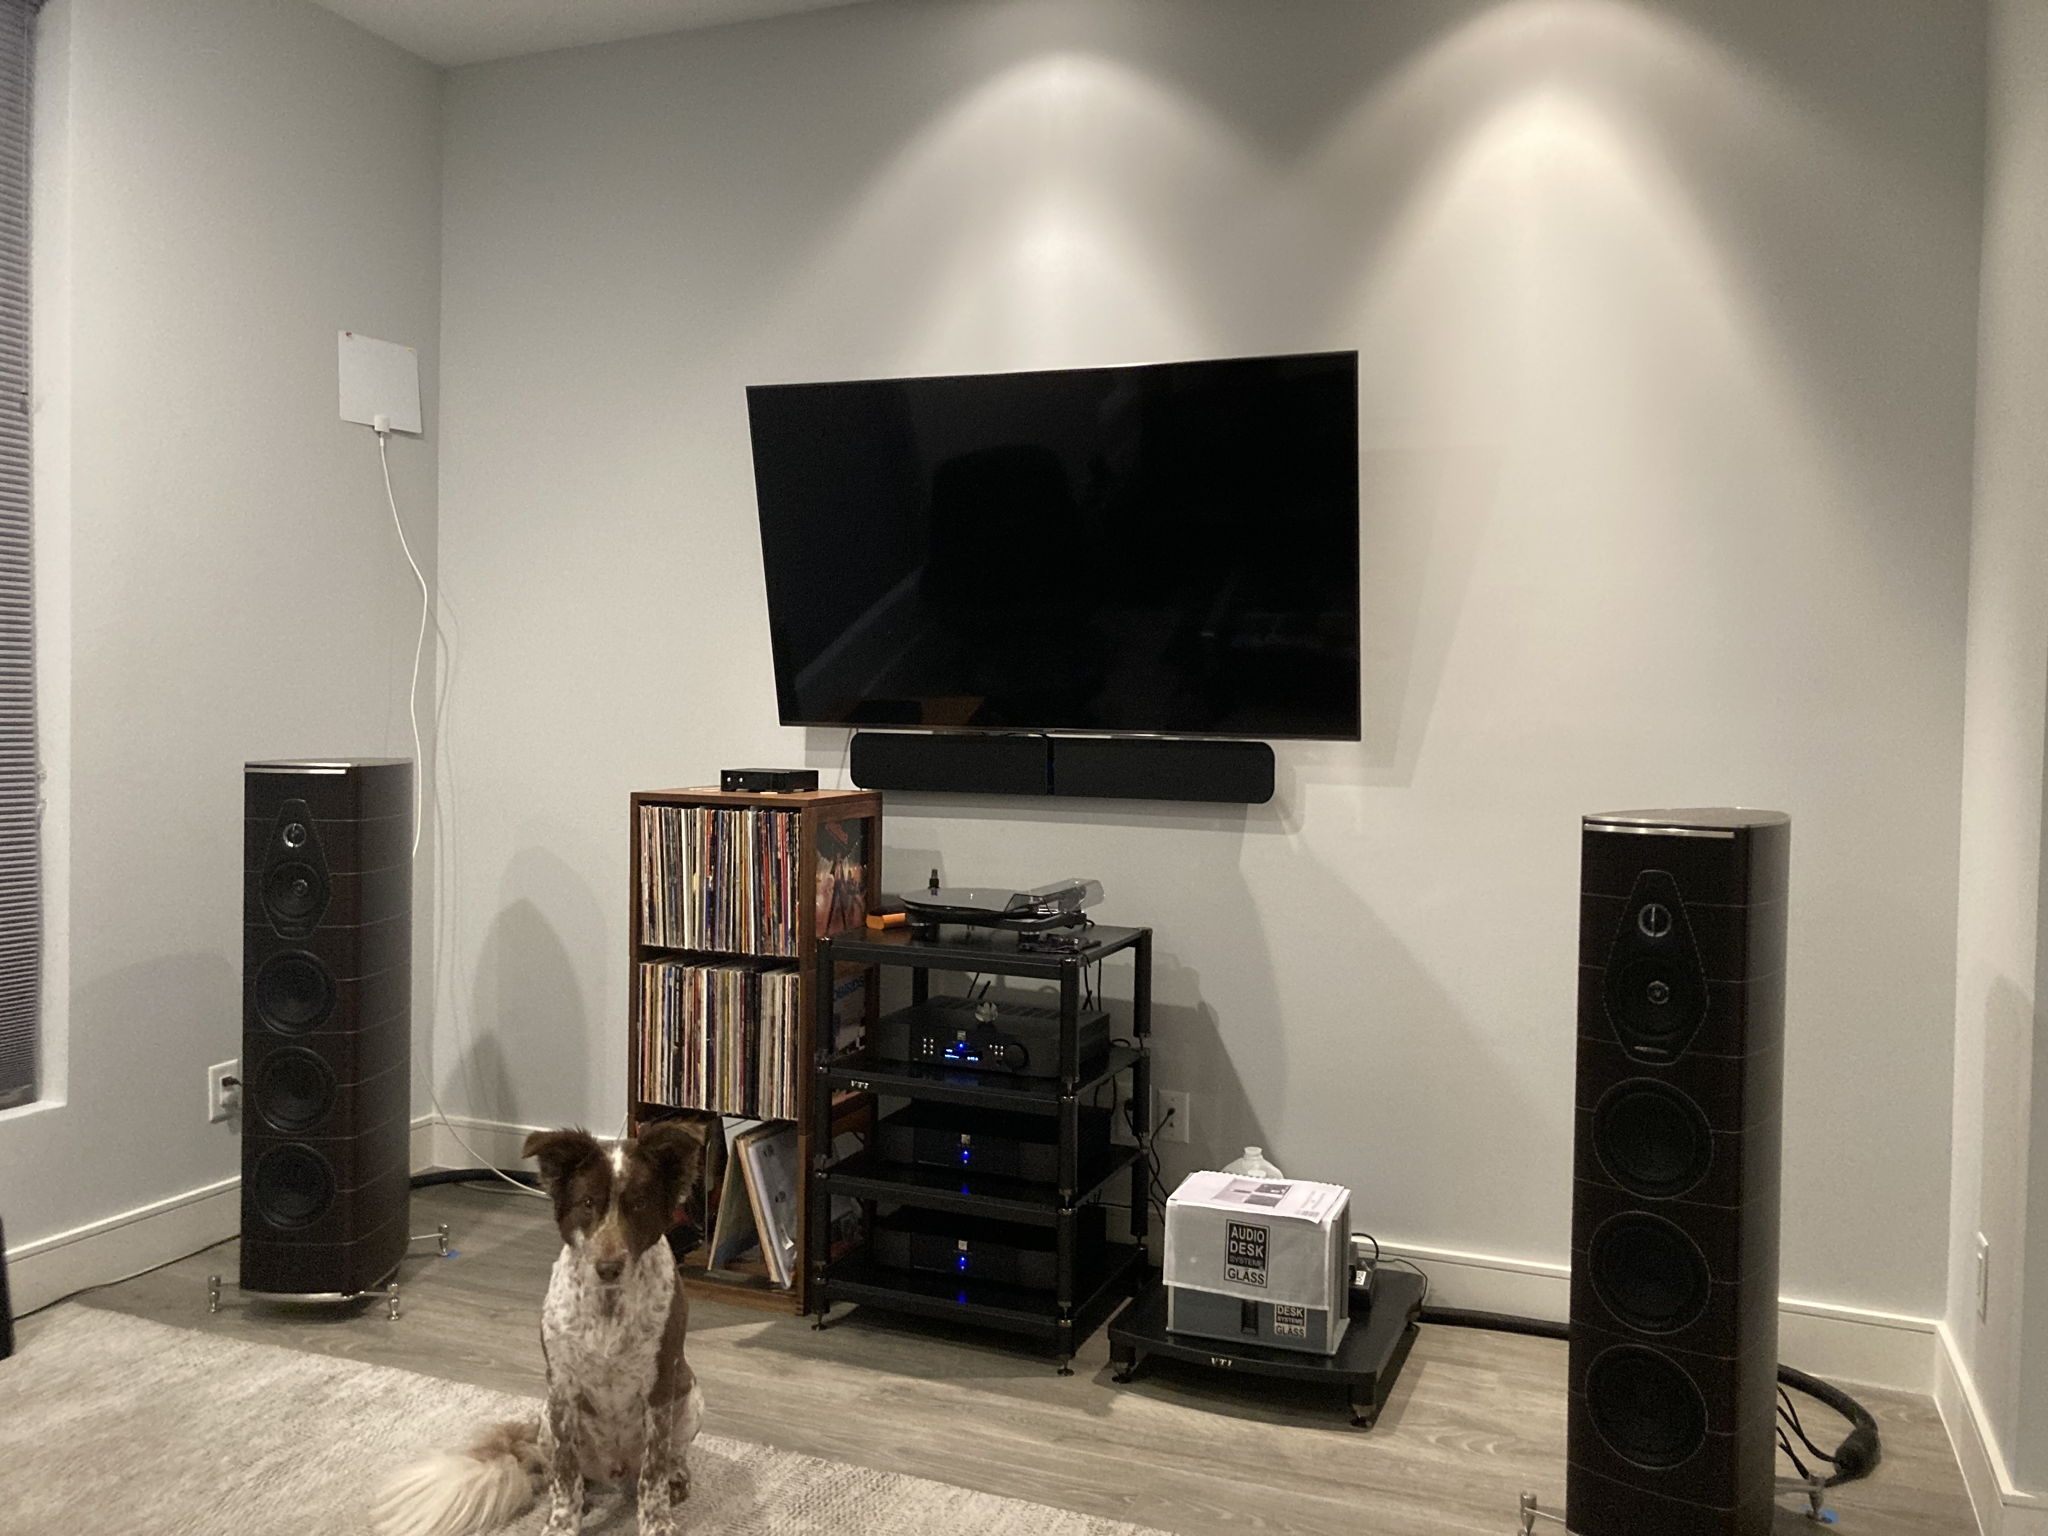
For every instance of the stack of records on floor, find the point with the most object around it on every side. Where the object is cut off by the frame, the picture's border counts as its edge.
(720, 1036)
(714, 877)
(757, 1203)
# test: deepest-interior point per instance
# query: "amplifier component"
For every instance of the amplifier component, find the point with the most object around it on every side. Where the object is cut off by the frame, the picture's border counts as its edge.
(996, 1141)
(1018, 1038)
(976, 1247)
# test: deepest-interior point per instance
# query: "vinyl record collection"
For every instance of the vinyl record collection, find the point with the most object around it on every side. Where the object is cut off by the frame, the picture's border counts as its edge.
(720, 1037)
(720, 878)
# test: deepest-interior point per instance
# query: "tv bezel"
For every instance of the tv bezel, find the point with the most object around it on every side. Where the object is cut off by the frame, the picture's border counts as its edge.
(1357, 697)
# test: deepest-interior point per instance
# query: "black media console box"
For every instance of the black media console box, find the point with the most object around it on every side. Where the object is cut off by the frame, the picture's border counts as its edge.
(767, 781)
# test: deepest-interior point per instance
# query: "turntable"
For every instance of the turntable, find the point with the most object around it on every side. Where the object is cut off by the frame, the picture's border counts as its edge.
(1062, 904)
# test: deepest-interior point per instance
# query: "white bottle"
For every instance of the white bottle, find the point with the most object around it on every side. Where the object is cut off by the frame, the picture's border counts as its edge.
(1253, 1165)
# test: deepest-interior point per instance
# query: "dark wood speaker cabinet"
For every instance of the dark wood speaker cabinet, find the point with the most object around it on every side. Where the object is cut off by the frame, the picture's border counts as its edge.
(1674, 1302)
(326, 1025)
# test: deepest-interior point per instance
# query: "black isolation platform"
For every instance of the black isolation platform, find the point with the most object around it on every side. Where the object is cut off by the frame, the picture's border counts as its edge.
(1366, 1365)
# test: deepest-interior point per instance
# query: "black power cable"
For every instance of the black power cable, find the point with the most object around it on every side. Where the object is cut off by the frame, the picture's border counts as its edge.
(1860, 1452)
(1856, 1457)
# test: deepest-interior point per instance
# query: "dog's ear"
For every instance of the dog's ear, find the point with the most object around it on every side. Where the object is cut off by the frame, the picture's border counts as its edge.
(674, 1149)
(560, 1154)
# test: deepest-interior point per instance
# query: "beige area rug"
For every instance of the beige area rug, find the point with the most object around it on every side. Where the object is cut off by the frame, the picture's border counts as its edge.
(110, 1424)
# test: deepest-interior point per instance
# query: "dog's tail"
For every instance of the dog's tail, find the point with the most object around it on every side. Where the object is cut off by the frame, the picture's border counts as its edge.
(455, 1493)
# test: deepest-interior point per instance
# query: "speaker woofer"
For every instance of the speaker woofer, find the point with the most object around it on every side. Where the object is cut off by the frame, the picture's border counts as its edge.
(294, 1089)
(1647, 1410)
(1649, 1273)
(1651, 1139)
(294, 992)
(294, 1187)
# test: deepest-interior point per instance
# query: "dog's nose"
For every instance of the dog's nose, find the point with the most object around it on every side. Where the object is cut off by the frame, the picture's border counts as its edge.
(609, 1270)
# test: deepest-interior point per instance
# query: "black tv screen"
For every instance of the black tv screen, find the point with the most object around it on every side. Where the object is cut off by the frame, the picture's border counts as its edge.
(1168, 549)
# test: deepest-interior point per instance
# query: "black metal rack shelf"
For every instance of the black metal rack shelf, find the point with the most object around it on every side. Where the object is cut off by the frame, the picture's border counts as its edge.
(986, 1090)
(1092, 1279)
(1104, 1286)
(992, 950)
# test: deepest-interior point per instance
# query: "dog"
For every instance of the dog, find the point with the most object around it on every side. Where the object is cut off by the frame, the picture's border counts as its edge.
(622, 1401)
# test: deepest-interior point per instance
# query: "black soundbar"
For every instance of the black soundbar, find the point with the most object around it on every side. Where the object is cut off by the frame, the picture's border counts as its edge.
(1091, 767)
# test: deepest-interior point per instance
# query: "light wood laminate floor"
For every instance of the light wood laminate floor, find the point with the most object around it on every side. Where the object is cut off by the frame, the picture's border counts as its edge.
(1476, 1418)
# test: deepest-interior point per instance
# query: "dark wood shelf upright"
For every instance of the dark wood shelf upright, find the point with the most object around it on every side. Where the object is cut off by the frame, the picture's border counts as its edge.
(816, 810)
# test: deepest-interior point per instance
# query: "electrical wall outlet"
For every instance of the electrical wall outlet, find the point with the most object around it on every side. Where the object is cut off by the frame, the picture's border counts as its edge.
(1983, 1278)
(223, 1090)
(1170, 1115)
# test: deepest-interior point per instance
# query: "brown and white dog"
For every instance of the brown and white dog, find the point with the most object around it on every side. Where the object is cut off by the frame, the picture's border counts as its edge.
(621, 1401)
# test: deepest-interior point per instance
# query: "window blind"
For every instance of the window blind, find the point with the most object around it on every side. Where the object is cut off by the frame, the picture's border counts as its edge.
(21, 917)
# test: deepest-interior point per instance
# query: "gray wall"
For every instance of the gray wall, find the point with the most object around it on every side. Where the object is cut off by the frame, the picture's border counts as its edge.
(227, 184)
(2001, 1127)
(1667, 319)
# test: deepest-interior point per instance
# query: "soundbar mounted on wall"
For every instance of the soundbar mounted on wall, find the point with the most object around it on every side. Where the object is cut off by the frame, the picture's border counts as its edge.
(1093, 767)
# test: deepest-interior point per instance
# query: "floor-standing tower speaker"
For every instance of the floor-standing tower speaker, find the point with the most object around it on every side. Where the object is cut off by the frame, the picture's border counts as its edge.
(326, 1024)
(1674, 1325)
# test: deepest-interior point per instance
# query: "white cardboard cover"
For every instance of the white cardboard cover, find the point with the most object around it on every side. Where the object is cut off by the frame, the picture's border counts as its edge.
(1278, 1240)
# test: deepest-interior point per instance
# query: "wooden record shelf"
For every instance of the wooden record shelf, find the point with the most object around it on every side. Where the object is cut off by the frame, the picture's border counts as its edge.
(825, 818)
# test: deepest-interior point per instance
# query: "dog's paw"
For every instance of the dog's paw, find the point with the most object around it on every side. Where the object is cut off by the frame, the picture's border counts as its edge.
(564, 1522)
(678, 1487)
(663, 1523)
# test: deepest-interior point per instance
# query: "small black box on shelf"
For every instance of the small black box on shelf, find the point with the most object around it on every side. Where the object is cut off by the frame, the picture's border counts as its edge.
(998, 1141)
(767, 781)
(977, 1248)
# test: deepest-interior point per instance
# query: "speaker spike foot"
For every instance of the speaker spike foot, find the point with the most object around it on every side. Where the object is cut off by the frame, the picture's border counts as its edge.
(1815, 1492)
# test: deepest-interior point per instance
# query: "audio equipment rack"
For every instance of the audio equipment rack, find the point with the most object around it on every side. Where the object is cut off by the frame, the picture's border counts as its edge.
(1092, 1273)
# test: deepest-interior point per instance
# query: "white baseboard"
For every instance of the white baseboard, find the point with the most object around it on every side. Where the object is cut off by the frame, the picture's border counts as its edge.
(128, 1242)
(2002, 1508)
(1845, 1344)
(1840, 1343)
(117, 1246)
(481, 1143)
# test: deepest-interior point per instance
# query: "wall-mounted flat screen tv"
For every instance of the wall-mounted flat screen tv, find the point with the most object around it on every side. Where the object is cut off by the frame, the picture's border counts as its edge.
(1170, 549)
